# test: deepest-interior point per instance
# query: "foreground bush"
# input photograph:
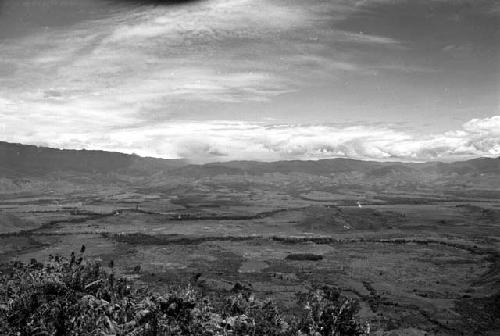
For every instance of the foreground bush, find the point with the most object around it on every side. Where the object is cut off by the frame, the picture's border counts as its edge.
(76, 296)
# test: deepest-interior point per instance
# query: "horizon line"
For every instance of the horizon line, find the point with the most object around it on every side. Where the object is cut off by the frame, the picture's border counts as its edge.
(254, 161)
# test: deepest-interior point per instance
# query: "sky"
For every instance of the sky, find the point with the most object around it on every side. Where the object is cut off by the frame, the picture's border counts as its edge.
(220, 80)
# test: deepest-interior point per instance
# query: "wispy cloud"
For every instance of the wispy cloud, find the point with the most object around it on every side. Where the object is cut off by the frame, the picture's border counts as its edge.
(200, 53)
(363, 38)
(151, 53)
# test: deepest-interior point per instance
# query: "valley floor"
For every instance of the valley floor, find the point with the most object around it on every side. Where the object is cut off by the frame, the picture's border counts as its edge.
(420, 264)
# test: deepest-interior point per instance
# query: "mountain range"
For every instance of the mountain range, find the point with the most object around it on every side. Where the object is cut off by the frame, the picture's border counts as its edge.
(17, 161)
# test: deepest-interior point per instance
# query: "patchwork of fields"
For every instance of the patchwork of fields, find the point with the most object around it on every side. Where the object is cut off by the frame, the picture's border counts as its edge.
(417, 263)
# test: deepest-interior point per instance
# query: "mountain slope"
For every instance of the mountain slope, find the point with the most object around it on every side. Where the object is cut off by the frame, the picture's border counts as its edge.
(18, 160)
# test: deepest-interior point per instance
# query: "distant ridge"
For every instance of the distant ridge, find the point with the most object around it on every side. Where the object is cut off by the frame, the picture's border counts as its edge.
(19, 160)
(28, 160)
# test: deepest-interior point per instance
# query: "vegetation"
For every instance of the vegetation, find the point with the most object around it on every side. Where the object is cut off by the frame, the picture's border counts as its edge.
(78, 296)
(304, 256)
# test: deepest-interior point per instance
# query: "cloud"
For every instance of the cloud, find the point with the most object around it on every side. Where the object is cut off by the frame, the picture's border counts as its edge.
(156, 53)
(145, 65)
(118, 83)
(369, 39)
(489, 126)
(209, 141)
(221, 50)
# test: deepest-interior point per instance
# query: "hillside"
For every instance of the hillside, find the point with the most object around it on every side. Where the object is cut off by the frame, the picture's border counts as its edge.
(18, 160)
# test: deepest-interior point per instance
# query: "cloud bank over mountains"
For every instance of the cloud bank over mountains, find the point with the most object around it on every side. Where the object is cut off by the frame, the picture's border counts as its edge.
(215, 141)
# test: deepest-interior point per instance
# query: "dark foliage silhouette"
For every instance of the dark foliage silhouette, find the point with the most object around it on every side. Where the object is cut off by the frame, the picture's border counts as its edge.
(78, 296)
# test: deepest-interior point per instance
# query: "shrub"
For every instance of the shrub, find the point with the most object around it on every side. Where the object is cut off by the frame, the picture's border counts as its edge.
(327, 312)
(304, 257)
(76, 296)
